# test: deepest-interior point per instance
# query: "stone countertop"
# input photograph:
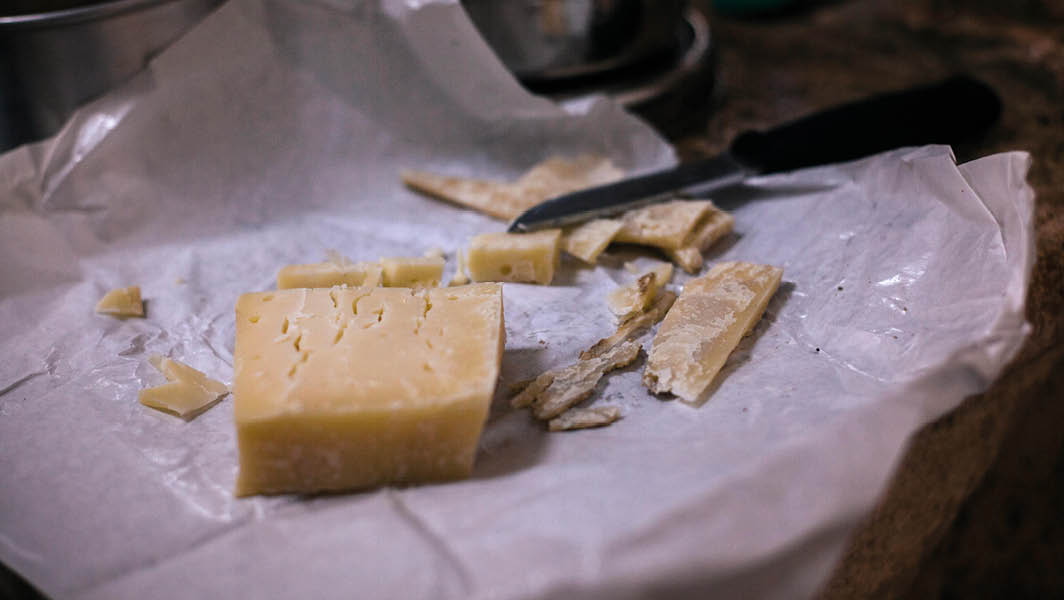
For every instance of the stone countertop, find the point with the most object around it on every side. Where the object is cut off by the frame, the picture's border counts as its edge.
(974, 509)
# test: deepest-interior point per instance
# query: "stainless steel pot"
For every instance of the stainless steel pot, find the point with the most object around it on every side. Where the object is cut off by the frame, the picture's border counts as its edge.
(551, 40)
(53, 61)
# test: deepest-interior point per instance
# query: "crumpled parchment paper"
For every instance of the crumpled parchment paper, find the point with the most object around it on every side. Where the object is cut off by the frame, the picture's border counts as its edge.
(273, 132)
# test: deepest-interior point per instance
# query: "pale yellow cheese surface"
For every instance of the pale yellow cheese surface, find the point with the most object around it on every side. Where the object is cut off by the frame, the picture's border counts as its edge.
(587, 240)
(187, 393)
(506, 200)
(122, 302)
(423, 272)
(634, 298)
(347, 388)
(329, 274)
(517, 257)
(705, 324)
(667, 225)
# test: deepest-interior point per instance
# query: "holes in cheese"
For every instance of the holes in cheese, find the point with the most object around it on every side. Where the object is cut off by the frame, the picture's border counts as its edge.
(387, 385)
(121, 302)
(516, 257)
(188, 392)
(705, 324)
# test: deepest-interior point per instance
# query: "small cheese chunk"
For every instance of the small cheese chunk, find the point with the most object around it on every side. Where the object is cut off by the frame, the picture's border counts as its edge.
(412, 272)
(667, 225)
(634, 298)
(583, 418)
(187, 393)
(347, 388)
(704, 326)
(633, 327)
(713, 226)
(329, 274)
(555, 391)
(517, 257)
(122, 302)
(553, 177)
(587, 240)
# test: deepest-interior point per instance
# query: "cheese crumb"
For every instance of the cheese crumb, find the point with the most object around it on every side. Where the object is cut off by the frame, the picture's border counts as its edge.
(629, 300)
(583, 418)
(187, 393)
(122, 302)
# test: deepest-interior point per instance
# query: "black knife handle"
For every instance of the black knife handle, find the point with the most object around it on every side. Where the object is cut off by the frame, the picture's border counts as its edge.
(955, 110)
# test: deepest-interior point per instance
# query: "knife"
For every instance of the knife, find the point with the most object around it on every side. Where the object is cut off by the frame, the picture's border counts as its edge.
(952, 111)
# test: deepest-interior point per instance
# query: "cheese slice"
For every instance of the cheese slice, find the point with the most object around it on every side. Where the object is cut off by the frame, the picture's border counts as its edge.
(629, 300)
(328, 274)
(583, 418)
(705, 324)
(587, 240)
(121, 302)
(667, 225)
(714, 225)
(552, 177)
(555, 391)
(347, 388)
(633, 327)
(424, 272)
(187, 393)
(517, 257)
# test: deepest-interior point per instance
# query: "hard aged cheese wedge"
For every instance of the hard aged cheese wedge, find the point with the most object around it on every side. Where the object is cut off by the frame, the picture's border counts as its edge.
(347, 388)
(667, 225)
(187, 393)
(121, 302)
(587, 240)
(517, 257)
(424, 272)
(705, 324)
(328, 274)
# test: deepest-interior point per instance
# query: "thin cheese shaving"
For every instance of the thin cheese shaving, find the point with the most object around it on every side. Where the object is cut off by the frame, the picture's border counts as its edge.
(633, 326)
(583, 418)
(556, 391)
(587, 240)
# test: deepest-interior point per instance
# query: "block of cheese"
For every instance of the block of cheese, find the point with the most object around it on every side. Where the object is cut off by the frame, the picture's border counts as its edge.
(705, 324)
(629, 300)
(122, 302)
(517, 257)
(423, 272)
(506, 200)
(187, 393)
(328, 274)
(587, 240)
(348, 388)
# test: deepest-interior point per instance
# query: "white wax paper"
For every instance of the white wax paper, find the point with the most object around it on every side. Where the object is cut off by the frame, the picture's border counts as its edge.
(273, 132)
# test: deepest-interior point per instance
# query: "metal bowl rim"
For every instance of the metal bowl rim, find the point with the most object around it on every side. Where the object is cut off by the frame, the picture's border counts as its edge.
(77, 14)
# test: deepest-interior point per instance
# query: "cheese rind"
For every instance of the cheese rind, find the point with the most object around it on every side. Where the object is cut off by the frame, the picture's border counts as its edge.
(516, 257)
(423, 272)
(587, 240)
(188, 392)
(329, 274)
(705, 324)
(348, 388)
(121, 302)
